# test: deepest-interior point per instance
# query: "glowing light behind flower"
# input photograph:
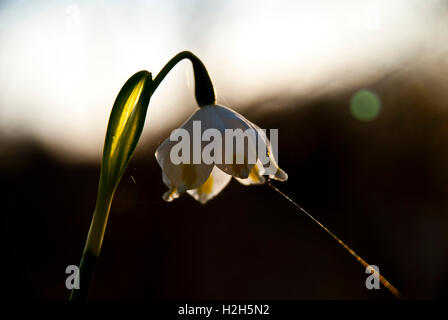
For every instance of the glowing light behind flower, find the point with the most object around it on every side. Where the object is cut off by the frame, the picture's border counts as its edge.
(62, 62)
(365, 105)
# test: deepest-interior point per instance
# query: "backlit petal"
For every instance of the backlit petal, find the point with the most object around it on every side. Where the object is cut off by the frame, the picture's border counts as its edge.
(272, 167)
(180, 177)
(230, 119)
(255, 176)
(217, 181)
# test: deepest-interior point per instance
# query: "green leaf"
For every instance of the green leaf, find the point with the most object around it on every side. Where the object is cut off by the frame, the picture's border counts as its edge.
(124, 129)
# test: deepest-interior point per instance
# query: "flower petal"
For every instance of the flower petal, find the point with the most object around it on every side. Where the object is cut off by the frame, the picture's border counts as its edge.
(180, 177)
(229, 119)
(270, 168)
(215, 183)
(255, 176)
(172, 193)
(241, 171)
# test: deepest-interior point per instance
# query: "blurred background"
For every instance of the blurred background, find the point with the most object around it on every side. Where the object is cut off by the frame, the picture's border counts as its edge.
(357, 89)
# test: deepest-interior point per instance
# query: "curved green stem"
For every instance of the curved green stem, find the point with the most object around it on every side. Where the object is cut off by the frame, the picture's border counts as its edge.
(204, 91)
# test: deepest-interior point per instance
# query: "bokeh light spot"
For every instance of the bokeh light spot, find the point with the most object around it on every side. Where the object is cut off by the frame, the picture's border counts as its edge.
(365, 105)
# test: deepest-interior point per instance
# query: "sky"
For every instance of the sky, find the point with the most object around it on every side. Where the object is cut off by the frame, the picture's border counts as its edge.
(62, 63)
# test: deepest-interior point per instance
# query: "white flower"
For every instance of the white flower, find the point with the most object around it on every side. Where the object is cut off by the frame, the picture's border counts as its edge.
(204, 181)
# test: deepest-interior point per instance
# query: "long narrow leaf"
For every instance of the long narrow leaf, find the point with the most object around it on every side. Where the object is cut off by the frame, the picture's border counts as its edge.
(125, 127)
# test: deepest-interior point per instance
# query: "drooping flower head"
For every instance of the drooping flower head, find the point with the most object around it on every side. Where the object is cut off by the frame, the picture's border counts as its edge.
(212, 130)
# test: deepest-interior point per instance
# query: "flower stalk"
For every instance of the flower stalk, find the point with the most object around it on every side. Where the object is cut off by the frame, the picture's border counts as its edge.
(124, 129)
(204, 90)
